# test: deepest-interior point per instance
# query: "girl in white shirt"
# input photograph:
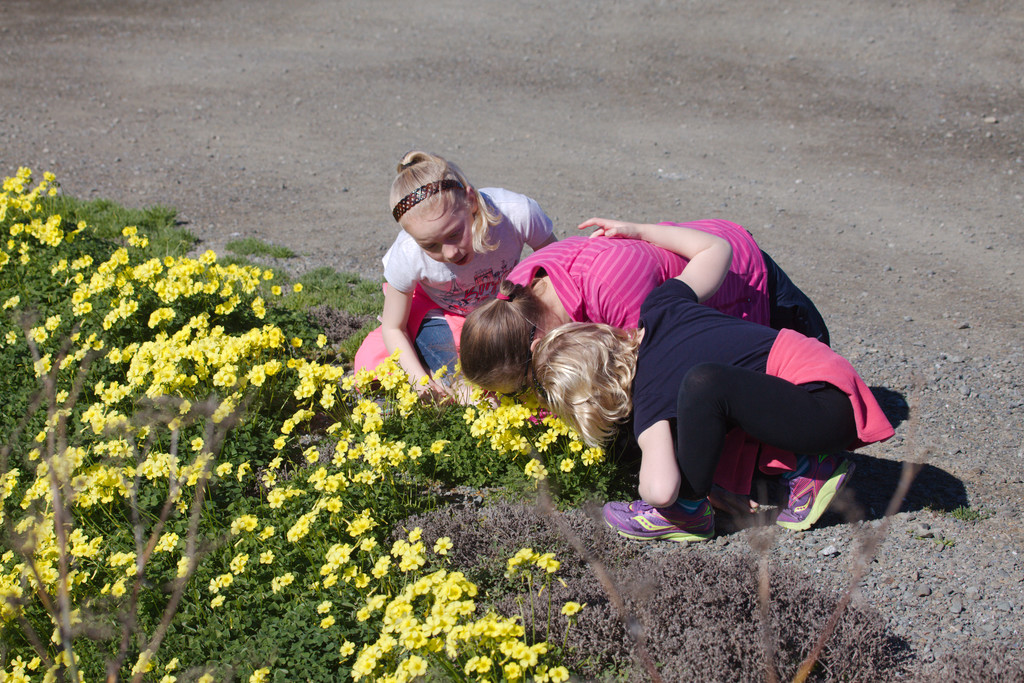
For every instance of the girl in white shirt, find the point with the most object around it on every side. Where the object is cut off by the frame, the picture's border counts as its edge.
(456, 245)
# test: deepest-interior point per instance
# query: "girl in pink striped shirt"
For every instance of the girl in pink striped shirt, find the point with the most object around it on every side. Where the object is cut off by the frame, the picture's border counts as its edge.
(605, 279)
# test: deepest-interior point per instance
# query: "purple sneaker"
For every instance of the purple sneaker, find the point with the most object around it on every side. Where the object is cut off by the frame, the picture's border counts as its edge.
(646, 523)
(812, 492)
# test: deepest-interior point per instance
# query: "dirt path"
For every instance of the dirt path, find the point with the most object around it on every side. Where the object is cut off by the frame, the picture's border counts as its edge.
(873, 148)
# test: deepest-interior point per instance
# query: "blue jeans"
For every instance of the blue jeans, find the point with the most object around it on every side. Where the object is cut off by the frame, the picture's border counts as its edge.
(435, 346)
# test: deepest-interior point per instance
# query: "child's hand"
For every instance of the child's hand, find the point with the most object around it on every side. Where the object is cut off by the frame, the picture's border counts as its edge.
(430, 389)
(607, 227)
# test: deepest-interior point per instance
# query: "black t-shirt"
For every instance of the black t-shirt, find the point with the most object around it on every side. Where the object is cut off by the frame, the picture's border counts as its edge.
(680, 333)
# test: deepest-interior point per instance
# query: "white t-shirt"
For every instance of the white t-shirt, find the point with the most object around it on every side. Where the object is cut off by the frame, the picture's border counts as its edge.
(460, 289)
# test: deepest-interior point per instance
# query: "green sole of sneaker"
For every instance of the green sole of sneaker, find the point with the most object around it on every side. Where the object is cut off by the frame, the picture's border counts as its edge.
(824, 498)
(677, 536)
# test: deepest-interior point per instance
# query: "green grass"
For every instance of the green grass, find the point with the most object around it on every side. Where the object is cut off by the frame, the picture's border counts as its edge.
(344, 291)
(159, 223)
(250, 246)
(968, 514)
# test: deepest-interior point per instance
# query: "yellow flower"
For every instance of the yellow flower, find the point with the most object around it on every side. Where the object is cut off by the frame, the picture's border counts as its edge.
(297, 287)
(443, 545)
(327, 621)
(279, 582)
(347, 648)
(167, 542)
(243, 523)
(238, 563)
(259, 675)
(570, 608)
(535, 469)
(548, 563)
(558, 674)
(478, 665)
(217, 601)
(416, 666)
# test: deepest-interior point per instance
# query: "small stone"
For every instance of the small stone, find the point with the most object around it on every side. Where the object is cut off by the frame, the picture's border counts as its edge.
(972, 593)
(1004, 606)
(956, 606)
(828, 551)
(923, 590)
(923, 530)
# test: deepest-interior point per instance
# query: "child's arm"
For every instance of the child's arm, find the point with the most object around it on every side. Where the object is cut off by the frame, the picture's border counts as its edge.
(550, 240)
(393, 323)
(709, 256)
(660, 478)
(659, 473)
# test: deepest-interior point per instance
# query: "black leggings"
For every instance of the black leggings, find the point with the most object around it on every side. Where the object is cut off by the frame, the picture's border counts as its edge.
(714, 398)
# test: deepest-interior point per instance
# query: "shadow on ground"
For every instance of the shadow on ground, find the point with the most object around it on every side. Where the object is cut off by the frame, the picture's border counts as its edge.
(865, 497)
(893, 404)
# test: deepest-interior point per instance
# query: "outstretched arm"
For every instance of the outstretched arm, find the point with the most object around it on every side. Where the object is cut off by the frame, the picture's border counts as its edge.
(709, 256)
(394, 320)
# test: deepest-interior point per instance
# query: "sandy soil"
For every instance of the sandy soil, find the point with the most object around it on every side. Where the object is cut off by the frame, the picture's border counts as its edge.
(873, 148)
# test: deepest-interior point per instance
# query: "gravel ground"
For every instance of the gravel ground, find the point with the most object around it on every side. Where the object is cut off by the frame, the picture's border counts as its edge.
(873, 148)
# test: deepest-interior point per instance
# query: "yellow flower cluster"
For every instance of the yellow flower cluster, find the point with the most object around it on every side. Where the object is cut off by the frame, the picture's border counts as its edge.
(432, 620)
(18, 202)
(422, 623)
(523, 429)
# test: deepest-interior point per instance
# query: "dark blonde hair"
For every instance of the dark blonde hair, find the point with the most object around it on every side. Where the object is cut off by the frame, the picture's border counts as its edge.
(495, 346)
(417, 169)
(585, 373)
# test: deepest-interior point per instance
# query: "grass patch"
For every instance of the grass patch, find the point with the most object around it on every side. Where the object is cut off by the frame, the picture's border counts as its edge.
(344, 291)
(159, 223)
(250, 246)
(969, 514)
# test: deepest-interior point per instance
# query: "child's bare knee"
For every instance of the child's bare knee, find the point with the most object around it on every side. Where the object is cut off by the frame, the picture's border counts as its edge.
(660, 493)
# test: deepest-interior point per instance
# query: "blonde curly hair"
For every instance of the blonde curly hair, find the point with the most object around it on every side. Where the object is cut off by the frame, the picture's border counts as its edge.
(584, 372)
(417, 169)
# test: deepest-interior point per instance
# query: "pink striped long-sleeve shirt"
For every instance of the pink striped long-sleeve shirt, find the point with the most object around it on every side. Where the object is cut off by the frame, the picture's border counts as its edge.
(605, 280)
